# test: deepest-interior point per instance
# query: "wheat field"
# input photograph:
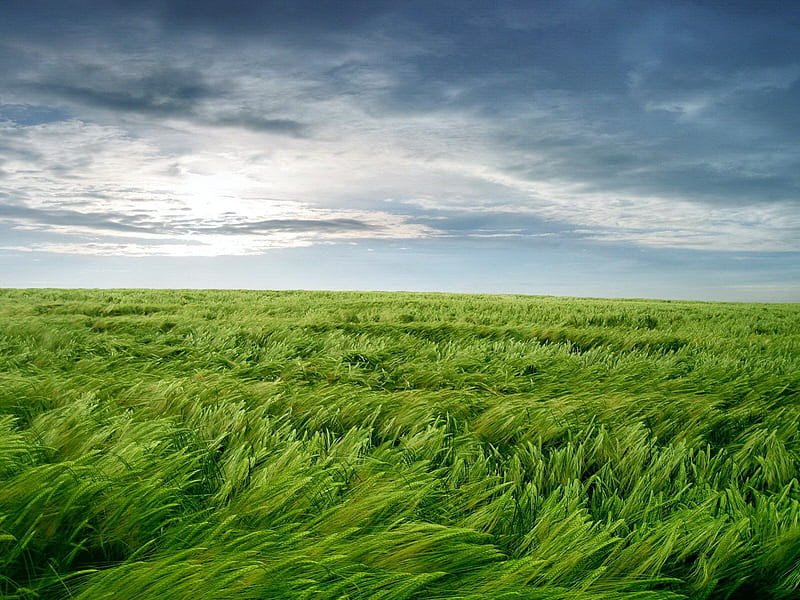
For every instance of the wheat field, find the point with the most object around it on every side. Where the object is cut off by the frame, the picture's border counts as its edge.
(322, 445)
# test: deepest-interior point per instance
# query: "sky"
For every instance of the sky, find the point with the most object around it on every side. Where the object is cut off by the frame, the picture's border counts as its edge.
(573, 148)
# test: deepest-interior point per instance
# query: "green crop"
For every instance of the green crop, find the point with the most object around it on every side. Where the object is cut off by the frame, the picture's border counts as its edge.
(315, 445)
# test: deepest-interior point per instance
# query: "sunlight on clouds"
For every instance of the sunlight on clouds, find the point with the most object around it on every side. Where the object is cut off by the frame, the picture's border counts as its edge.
(227, 201)
(211, 196)
(205, 204)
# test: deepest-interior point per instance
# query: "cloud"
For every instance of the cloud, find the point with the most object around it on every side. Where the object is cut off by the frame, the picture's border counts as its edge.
(27, 114)
(272, 16)
(660, 125)
(341, 225)
(259, 123)
(91, 185)
(142, 235)
(72, 218)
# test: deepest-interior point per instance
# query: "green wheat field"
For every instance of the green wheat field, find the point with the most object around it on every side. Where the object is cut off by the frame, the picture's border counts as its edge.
(321, 445)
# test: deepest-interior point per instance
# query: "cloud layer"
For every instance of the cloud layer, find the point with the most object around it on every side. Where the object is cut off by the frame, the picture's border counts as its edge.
(189, 128)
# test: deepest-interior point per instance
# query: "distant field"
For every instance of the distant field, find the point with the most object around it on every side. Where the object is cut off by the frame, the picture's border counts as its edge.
(318, 445)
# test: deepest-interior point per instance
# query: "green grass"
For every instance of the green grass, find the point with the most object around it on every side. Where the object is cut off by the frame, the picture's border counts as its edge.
(256, 445)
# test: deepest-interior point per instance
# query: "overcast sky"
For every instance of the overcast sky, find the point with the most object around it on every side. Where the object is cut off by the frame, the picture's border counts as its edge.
(591, 148)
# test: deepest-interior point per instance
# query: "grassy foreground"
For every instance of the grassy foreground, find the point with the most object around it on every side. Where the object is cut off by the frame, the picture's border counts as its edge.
(256, 445)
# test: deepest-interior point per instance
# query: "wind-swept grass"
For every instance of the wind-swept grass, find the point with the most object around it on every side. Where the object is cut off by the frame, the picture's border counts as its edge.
(188, 444)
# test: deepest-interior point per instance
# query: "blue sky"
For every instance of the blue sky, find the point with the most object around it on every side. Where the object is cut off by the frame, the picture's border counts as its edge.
(617, 149)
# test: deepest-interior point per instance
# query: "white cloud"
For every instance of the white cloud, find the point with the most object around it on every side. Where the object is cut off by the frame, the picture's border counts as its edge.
(105, 179)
